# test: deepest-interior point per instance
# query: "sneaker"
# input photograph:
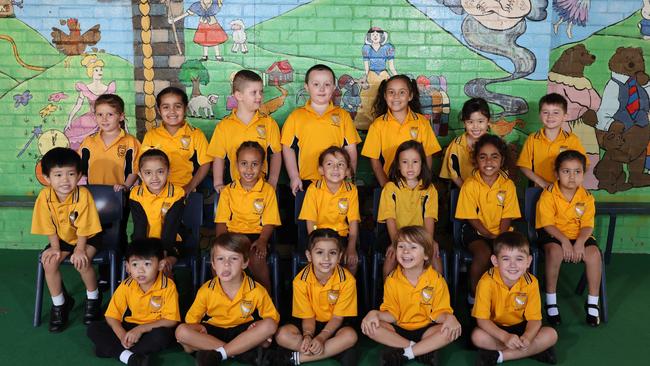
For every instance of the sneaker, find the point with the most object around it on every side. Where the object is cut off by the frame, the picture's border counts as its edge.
(208, 358)
(59, 314)
(430, 358)
(253, 356)
(93, 309)
(138, 360)
(391, 356)
(487, 357)
(593, 321)
(279, 356)
(546, 356)
(553, 320)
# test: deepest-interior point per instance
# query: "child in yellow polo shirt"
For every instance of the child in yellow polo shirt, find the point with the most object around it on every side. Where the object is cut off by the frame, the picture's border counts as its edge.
(249, 206)
(457, 164)
(230, 302)
(488, 201)
(110, 155)
(415, 319)
(184, 144)
(324, 295)
(245, 123)
(314, 127)
(333, 203)
(151, 300)
(508, 309)
(157, 206)
(66, 213)
(542, 147)
(397, 119)
(409, 198)
(565, 223)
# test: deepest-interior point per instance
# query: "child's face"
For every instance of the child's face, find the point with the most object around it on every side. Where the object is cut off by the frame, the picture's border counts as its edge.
(552, 116)
(334, 168)
(410, 255)
(325, 255)
(512, 264)
(320, 86)
(410, 165)
(172, 110)
(398, 95)
(153, 173)
(107, 118)
(143, 270)
(477, 125)
(250, 97)
(249, 165)
(228, 265)
(489, 161)
(571, 174)
(63, 179)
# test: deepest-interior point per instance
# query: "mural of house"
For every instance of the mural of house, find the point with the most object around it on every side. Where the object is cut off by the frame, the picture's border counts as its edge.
(279, 73)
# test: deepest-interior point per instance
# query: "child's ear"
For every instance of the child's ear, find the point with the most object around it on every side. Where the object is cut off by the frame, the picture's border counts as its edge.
(308, 255)
(245, 264)
(530, 260)
(237, 95)
(47, 179)
(321, 171)
(493, 258)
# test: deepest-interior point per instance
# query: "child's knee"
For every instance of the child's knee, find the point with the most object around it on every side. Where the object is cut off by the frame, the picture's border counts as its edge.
(592, 253)
(348, 334)
(548, 336)
(268, 326)
(554, 252)
(183, 331)
(479, 337)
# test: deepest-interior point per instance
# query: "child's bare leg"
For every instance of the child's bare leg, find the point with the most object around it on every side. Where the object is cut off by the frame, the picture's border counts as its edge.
(431, 340)
(53, 275)
(593, 263)
(251, 338)
(386, 335)
(546, 337)
(437, 264)
(553, 262)
(352, 268)
(390, 262)
(260, 271)
(192, 339)
(481, 253)
(289, 337)
(87, 273)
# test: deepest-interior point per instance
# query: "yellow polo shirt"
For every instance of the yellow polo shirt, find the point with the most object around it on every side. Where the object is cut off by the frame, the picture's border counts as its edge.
(246, 212)
(407, 206)
(156, 206)
(458, 159)
(569, 217)
(113, 163)
(337, 297)
(331, 210)
(538, 153)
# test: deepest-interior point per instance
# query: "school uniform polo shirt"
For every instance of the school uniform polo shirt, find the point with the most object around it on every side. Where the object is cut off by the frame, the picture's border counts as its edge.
(331, 210)
(159, 302)
(187, 150)
(337, 297)
(246, 212)
(507, 306)
(314, 133)
(386, 133)
(231, 132)
(553, 209)
(74, 217)
(458, 159)
(156, 206)
(212, 301)
(488, 204)
(415, 307)
(407, 206)
(538, 153)
(109, 164)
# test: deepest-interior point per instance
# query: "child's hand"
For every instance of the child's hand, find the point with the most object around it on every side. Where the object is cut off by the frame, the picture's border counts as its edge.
(525, 343)
(50, 255)
(120, 187)
(133, 336)
(451, 327)
(79, 258)
(306, 341)
(578, 252)
(259, 248)
(567, 250)
(219, 187)
(370, 322)
(316, 346)
(351, 257)
(167, 264)
(513, 342)
(296, 185)
(198, 328)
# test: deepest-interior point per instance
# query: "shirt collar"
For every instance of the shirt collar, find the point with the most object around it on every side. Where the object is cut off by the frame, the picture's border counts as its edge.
(517, 286)
(246, 285)
(256, 188)
(331, 281)
(309, 108)
(402, 184)
(422, 280)
(410, 117)
(500, 178)
(234, 117)
(119, 137)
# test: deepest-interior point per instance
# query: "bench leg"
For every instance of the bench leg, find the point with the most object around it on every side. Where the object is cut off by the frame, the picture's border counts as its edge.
(455, 278)
(38, 301)
(603, 294)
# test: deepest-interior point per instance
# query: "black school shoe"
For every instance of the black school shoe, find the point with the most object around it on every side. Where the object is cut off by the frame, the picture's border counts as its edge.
(59, 314)
(208, 358)
(138, 360)
(553, 320)
(92, 309)
(546, 356)
(593, 321)
(487, 357)
(392, 356)
(430, 358)
(255, 357)
(279, 356)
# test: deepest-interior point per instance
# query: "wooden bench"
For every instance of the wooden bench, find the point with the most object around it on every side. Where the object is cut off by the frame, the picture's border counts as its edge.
(613, 209)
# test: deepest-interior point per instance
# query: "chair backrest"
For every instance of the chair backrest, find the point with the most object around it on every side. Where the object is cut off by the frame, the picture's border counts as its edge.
(530, 211)
(456, 224)
(300, 224)
(110, 207)
(192, 219)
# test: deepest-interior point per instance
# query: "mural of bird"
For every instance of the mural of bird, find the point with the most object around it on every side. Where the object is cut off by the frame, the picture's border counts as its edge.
(74, 43)
(502, 127)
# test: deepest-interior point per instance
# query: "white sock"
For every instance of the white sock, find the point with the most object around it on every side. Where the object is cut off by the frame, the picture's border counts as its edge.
(594, 301)
(500, 359)
(551, 299)
(296, 358)
(92, 295)
(124, 356)
(58, 300)
(408, 351)
(224, 355)
(470, 299)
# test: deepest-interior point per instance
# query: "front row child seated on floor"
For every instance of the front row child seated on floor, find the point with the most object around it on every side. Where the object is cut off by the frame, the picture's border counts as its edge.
(143, 312)
(508, 308)
(324, 300)
(415, 319)
(67, 214)
(230, 302)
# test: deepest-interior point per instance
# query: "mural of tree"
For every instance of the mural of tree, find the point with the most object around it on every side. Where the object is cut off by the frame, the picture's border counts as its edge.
(194, 73)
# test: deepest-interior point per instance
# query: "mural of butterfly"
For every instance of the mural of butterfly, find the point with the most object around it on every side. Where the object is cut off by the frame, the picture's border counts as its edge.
(57, 97)
(23, 98)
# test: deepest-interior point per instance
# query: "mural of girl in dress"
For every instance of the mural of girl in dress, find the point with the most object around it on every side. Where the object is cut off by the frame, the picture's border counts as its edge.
(209, 33)
(78, 128)
(570, 12)
(378, 61)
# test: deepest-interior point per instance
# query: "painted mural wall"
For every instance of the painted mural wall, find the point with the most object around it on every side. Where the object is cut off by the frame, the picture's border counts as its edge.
(56, 59)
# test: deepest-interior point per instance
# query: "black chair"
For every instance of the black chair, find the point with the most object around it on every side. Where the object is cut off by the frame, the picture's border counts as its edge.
(272, 259)
(110, 208)
(530, 213)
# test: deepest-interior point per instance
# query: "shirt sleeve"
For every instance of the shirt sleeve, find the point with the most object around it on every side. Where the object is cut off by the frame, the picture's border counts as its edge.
(135, 168)
(526, 156)
(533, 309)
(441, 303)
(588, 218)
(288, 131)
(265, 307)
(139, 216)
(41, 218)
(545, 210)
(117, 306)
(346, 305)
(88, 220)
(201, 147)
(483, 301)
(223, 207)
(273, 136)
(353, 206)
(217, 146)
(301, 307)
(446, 169)
(429, 140)
(431, 207)
(309, 209)
(271, 214)
(170, 310)
(467, 202)
(391, 303)
(350, 134)
(511, 206)
(199, 307)
(171, 226)
(372, 143)
(387, 209)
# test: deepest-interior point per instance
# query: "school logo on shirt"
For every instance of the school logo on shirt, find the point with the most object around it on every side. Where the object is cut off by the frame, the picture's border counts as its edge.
(73, 217)
(258, 206)
(343, 206)
(164, 208)
(520, 301)
(427, 295)
(414, 132)
(155, 303)
(121, 151)
(336, 120)
(501, 197)
(580, 209)
(246, 308)
(261, 131)
(332, 296)
(185, 142)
